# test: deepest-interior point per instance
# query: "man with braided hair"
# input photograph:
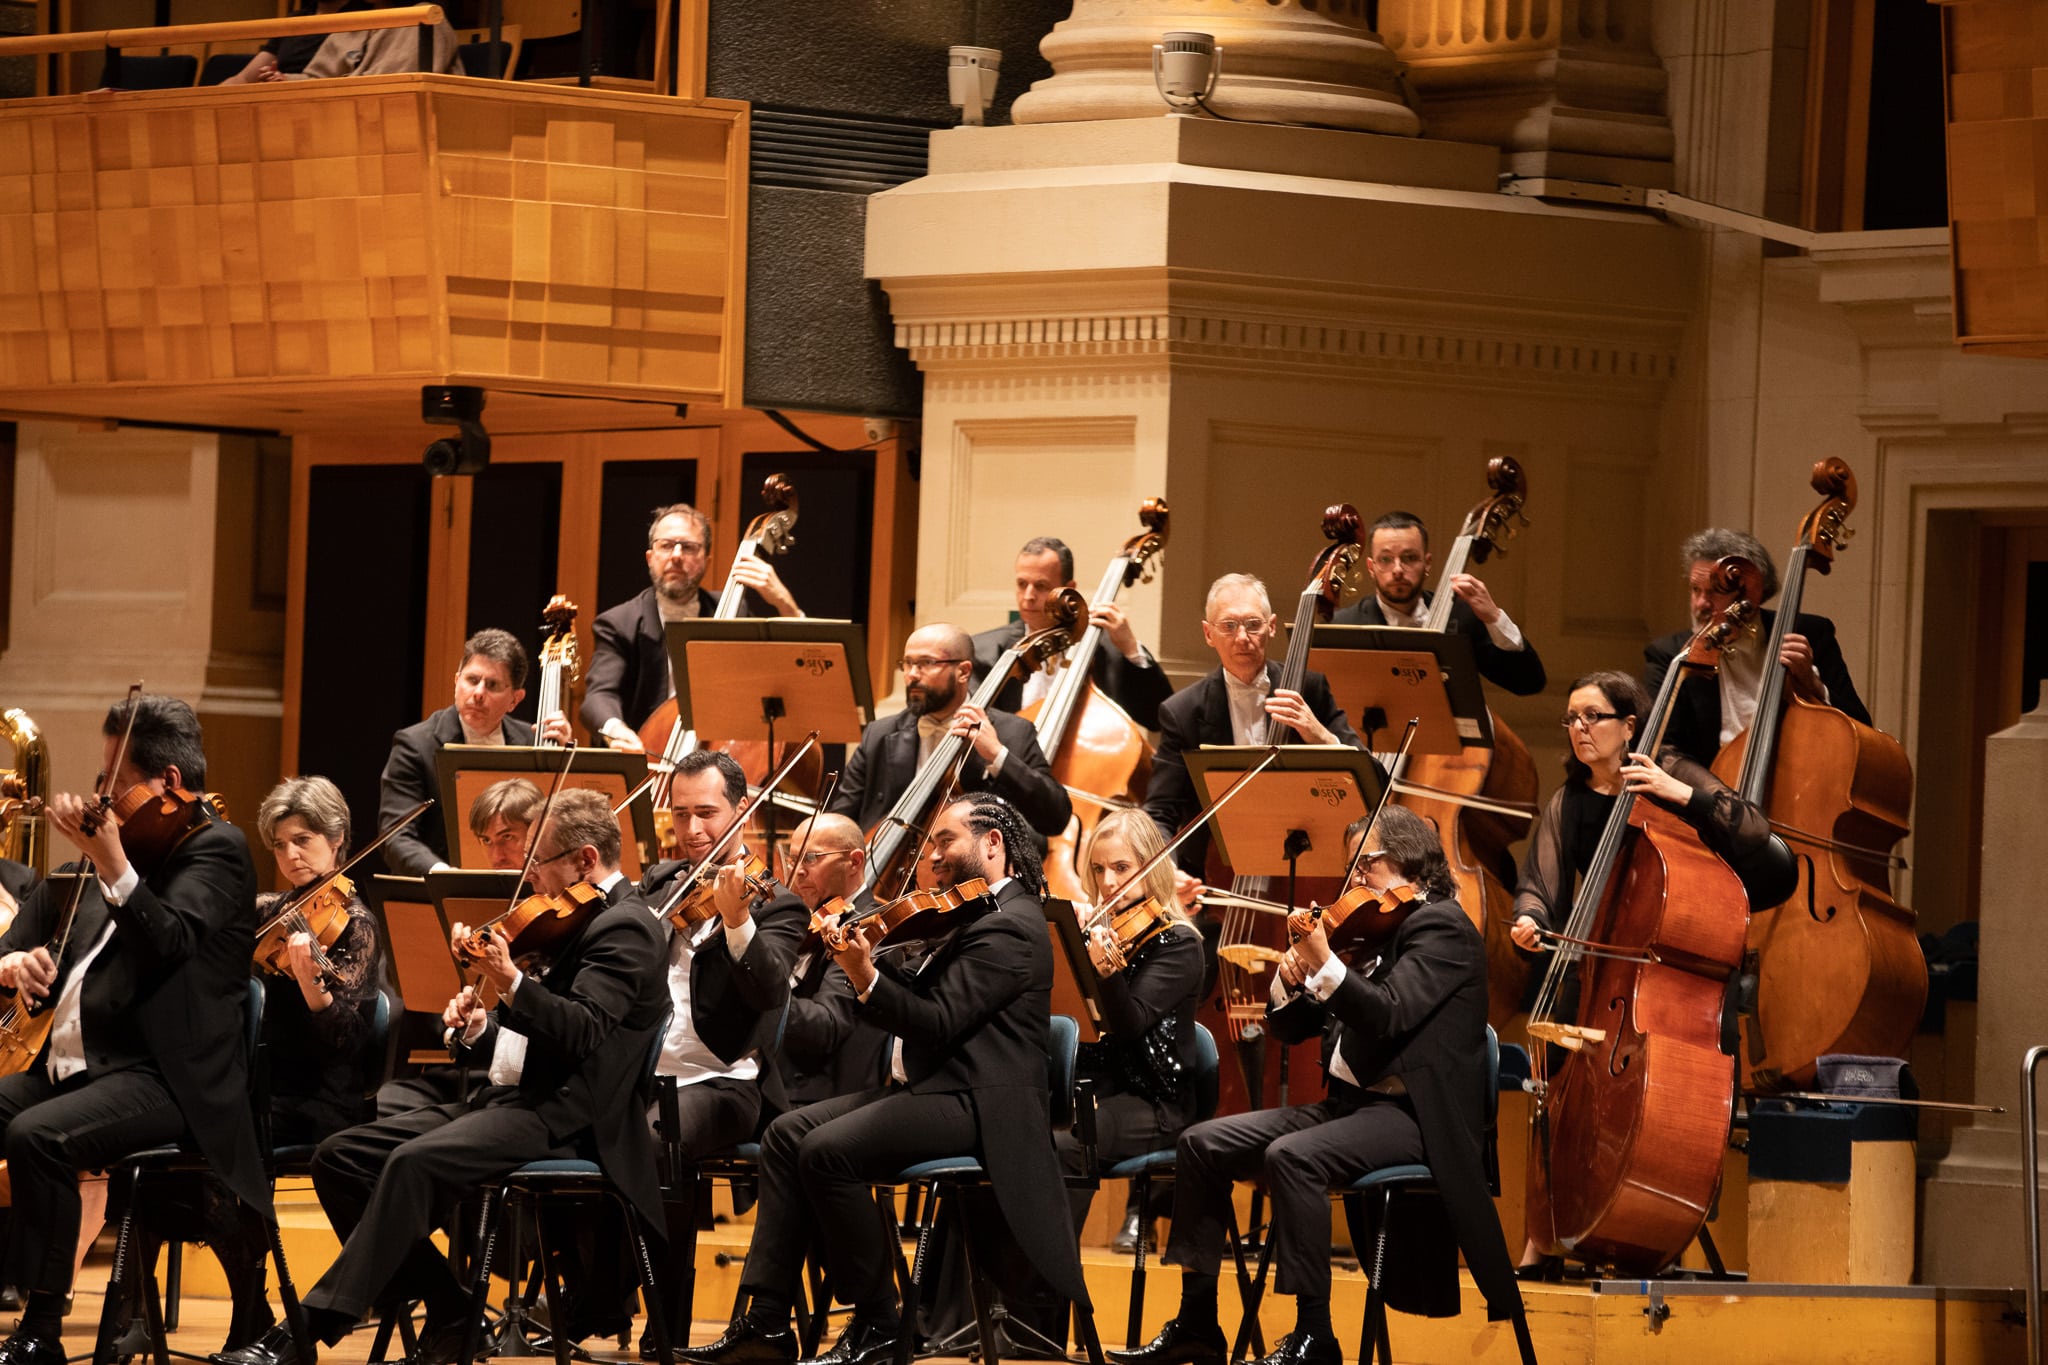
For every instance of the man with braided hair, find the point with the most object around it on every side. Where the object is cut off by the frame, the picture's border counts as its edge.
(965, 1073)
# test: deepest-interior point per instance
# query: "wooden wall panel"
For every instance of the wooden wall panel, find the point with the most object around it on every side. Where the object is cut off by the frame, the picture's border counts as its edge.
(1996, 55)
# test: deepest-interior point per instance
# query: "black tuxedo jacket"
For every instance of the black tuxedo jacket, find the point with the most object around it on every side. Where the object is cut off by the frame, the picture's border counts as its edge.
(1137, 688)
(1519, 671)
(409, 778)
(628, 675)
(828, 1047)
(973, 1015)
(1695, 728)
(590, 1021)
(167, 992)
(886, 761)
(1200, 714)
(16, 879)
(1421, 1016)
(736, 1002)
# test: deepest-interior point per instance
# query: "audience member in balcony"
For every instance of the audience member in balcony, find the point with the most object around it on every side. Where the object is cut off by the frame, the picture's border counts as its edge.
(283, 57)
(366, 52)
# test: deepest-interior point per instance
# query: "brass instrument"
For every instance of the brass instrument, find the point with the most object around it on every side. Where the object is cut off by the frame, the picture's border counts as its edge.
(22, 835)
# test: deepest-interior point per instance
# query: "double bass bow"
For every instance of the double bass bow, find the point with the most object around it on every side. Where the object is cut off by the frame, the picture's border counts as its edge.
(1628, 1128)
(1839, 967)
(895, 842)
(1476, 799)
(1097, 752)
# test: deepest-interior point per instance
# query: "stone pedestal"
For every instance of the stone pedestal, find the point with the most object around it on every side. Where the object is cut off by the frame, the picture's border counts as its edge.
(1284, 61)
(1973, 1230)
(1566, 88)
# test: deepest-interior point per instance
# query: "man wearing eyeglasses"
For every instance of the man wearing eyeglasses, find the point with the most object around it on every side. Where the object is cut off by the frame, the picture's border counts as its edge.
(937, 663)
(1241, 702)
(1399, 561)
(1123, 670)
(628, 674)
(828, 1048)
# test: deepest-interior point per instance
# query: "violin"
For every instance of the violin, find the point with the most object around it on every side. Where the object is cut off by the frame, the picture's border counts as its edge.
(918, 915)
(1132, 926)
(1360, 921)
(537, 928)
(699, 902)
(153, 824)
(320, 914)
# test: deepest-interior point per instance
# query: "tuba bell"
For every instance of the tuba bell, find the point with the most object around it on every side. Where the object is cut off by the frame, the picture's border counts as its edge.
(22, 836)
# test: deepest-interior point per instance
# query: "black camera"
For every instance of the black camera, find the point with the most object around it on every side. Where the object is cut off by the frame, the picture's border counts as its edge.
(461, 406)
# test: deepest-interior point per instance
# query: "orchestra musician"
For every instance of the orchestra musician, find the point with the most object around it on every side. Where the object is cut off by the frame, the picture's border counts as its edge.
(1237, 703)
(1710, 711)
(966, 1072)
(1405, 1061)
(828, 1047)
(1600, 721)
(1126, 672)
(502, 819)
(937, 663)
(15, 881)
(145, 1045)
(629, 673)
(489, 683)
(1399, 562)
(1143, 1068)
(565, 1048)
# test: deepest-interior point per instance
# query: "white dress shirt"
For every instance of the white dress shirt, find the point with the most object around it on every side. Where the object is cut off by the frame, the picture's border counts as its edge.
(684, 1055)
(1502, 628)
(508, 1050)
(1248, 718)
(932, 729)
(67, 1026)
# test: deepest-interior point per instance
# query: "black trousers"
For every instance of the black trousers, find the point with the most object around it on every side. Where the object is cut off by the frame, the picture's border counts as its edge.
(386, 1185)
(1302, 1152)
(817, 1164)
(1126, 1125)
(52, 1133)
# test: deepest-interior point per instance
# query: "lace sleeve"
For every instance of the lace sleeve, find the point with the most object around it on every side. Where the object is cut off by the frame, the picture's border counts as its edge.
(1729, 825)
(1544, 894)
(358, 960)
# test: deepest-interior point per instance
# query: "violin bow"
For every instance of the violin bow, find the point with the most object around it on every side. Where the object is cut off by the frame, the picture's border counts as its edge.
(686, 884)
(1386, 795)
(301, 894)
(89, 822)
(533, 842)
(796, 859)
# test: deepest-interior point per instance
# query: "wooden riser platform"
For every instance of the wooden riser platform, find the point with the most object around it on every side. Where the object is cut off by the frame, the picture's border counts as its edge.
(1579, 1323)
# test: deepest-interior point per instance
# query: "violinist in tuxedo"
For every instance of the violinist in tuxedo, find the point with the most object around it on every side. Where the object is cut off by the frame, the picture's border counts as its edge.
(1125, 672)
(1710, 711)
(488, 685)
(1404, 1056)
(1399, 561)
(965, 1072)
(828, 1047)
(564, 1048)
(938, 663)
(144, 1046)
(1240, 702)
(628, 676)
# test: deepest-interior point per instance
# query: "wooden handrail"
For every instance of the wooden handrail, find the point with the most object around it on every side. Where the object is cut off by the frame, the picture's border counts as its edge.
(233, 30)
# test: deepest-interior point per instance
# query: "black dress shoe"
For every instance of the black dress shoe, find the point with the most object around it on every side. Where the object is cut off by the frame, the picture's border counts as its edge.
(274, 1347)
(863, 1343)
(440, 1345)
(1305, 1348)
(28, 1348)
(748, 1341)
(1548, 1269)
(1126, 1239)
(1178, 1343)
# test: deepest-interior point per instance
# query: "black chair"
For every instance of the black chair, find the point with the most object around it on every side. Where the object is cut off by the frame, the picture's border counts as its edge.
(172, 72)
(185, 1159)
(1412, 1181)
(476, 59)
(951, 1178)
(567, 1178)
(1159, 1166)
(222, 65)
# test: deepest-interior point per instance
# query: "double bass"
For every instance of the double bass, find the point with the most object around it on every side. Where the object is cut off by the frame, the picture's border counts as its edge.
(1628, 1129)
(559, 664)
(1097, 752)
(1245, 922)
(895, 842)
(1477, 840)
(1839, 967)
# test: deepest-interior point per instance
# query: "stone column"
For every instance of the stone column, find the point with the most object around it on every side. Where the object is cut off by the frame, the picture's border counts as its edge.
(1974, 1199)
(1568, 88)
(1284, 61)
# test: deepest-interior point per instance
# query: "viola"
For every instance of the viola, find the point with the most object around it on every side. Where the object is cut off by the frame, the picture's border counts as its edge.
(320, 914)
(918, 915)
(538, 927)
(153, 824)
(1359, 922)
(698, 901)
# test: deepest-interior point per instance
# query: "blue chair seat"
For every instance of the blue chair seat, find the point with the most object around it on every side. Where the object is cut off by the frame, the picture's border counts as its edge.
(557, 1166)
(1133, 1167)
(1392, 1175)
(942, 1168)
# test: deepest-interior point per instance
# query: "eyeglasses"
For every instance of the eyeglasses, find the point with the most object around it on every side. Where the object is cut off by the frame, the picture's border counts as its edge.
(910, 665)
(1248, 625)
(1390, 561)
(1586, 720)
(677, 547)
(811, 860)
(557, 857)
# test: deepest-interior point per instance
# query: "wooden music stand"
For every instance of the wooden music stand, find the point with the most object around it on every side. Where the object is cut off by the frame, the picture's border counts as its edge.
(421, 967)
(1290, 820)
(741, 679)
(466, 770)
(1076, 987)
(1385, 674)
